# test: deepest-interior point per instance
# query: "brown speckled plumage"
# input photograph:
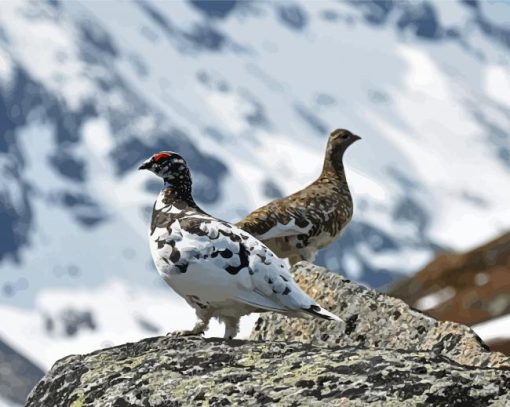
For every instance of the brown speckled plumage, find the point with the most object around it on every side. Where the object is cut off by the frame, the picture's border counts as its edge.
(299, 225)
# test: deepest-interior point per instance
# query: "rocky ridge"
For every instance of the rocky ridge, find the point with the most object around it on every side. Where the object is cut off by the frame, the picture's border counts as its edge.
(385, 354)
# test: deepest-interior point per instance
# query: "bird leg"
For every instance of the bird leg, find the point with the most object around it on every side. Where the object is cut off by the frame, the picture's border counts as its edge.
(199, 328)
(231, 327)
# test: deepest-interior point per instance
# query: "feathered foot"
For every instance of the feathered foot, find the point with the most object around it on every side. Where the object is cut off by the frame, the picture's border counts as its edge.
(231, 327)
(199, 328)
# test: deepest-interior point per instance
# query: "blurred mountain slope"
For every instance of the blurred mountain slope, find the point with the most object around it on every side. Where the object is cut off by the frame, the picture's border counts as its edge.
(17, 375)
(247, 92)
(472, 288)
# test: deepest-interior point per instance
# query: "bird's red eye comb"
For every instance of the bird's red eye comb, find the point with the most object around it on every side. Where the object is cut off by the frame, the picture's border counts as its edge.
(160, 156)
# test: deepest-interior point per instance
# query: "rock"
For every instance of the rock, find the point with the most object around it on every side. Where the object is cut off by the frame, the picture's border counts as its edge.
(373, 320)
(167, 371)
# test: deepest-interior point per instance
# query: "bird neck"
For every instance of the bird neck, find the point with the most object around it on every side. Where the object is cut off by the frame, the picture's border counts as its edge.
(334, 167)
(178, 191)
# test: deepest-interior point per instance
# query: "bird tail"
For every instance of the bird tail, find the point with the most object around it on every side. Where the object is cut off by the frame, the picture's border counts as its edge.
(318, 311)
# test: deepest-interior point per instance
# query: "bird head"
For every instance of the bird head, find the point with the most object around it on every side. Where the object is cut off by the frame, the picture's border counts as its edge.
(342, 138)
(338, 142)
(168, 165)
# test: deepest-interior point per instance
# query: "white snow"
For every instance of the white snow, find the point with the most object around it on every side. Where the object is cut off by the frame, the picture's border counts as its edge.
(481, 279)
(119, 310)
(47, 50)
(5, 67)
(497, 81)
(497, 11)
(497, 328)
(435, 299)
(7, 403)
(353, 267)
(453, 13)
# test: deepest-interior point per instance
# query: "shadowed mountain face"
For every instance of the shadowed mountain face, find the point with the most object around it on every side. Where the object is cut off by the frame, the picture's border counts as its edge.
(478, 282)
(247, 92)
(470, 288)
(17, 375)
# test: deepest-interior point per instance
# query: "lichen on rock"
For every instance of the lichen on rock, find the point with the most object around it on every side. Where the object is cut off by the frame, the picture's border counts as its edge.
(169, 371)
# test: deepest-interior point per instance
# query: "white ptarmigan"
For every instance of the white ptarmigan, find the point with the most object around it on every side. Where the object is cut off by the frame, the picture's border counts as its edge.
(220, 270)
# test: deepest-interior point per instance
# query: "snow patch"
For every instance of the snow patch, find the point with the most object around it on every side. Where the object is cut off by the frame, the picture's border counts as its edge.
(353, 267)
(48, 50)
(481, 279)
(435, 299)
(497, 83)
(7, 403)
(6, 67)
(497, 328)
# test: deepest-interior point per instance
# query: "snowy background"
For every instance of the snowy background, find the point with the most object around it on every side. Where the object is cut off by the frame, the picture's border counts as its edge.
(247, 92)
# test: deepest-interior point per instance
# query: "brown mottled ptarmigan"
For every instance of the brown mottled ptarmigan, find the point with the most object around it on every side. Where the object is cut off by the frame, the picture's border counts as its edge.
(299, 225)
(219, 269)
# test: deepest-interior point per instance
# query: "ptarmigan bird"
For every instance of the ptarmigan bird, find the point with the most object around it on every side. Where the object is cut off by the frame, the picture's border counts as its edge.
(220, 270)
(299, 225)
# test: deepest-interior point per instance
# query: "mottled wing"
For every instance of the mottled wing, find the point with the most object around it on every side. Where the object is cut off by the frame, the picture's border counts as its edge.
(276, 219)
(198, 239)
(272, 286)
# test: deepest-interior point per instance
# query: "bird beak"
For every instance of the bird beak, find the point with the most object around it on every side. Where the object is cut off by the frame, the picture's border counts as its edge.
(355, 138)
(145, 165)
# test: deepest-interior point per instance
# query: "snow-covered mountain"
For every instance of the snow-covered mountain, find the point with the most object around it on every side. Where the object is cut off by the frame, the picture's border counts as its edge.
(247, 92)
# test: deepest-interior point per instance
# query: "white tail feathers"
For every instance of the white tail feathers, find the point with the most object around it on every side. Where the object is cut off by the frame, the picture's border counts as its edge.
(320, 312)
